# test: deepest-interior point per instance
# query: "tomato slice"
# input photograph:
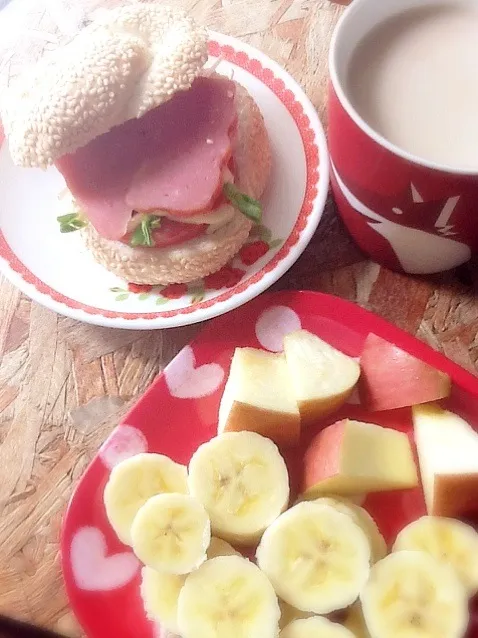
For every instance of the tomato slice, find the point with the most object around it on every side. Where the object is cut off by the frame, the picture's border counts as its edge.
(172, 232)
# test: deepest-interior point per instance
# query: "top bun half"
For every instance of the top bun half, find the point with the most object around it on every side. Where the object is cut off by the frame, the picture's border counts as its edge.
(128, 61)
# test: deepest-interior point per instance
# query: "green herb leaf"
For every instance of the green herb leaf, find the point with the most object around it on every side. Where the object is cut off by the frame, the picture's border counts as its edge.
(197, 298)
(261, 232)
(161, 300)
(117, 289)
(71, 222)
(143, 295)
(197, 290)
(122, 296)
(266, 234)
(249, 207)
(196, 286)
(142, 236)
(275, 243)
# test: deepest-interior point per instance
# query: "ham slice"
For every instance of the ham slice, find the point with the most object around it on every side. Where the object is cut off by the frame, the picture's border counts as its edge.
(170, 159)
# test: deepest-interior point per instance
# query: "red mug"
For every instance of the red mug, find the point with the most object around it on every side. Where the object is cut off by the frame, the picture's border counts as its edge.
(409, 214)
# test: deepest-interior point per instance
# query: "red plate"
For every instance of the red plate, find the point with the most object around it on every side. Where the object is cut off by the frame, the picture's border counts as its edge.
(179, 412)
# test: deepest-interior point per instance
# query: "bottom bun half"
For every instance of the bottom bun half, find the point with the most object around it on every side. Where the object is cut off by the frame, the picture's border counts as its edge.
(207, 254)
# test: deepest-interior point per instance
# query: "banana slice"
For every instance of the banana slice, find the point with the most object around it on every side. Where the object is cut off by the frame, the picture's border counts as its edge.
(447, 540)
(160, 590)
(242, 481)
(315, 627)
(171, 533)
(412, 595)
(228, 597)
(363, 519)
(133, 481)
(160, 593)
(317, 558)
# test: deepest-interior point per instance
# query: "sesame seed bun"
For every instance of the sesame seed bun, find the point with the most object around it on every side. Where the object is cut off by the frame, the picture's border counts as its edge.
(206, 254)
(126, 62)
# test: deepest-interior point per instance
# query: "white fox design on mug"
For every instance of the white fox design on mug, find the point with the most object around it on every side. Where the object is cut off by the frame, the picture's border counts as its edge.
(418, 251)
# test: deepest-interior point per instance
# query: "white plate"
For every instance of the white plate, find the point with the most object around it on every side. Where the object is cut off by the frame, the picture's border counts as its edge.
(58, 272)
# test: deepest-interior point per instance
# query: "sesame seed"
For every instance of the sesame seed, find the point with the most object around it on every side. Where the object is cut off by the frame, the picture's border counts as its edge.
(84, 78)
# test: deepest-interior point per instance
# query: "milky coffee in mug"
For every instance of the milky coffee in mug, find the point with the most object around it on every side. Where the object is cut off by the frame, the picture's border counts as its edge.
(414, 80)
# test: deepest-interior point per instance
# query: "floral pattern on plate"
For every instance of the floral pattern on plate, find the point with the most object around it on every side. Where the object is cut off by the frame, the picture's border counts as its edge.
(260, 242)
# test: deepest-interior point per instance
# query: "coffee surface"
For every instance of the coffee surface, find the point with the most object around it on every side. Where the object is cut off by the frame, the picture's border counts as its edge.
(414, 80)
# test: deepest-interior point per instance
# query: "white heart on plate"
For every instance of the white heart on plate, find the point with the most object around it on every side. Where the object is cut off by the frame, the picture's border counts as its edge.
(273, 324)
(185, 381)
(92, 569)
(124, 442)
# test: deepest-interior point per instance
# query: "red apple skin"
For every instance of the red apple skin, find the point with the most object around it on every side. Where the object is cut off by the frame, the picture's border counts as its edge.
(392, 378)
(322, 458)
(472, 631)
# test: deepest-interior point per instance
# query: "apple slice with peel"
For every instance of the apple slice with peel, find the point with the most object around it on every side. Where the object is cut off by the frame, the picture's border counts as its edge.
(322, 377)
(351, 457)
(258, 397)
(448, 455)
(392, 378)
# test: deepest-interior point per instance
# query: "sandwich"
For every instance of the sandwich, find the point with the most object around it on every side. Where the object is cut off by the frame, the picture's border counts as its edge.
(165, 160)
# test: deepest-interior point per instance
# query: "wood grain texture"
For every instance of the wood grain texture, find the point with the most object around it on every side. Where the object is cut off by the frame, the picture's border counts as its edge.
(65, 385)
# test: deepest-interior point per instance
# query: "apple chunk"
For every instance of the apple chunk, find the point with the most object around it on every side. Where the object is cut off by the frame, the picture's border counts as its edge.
(448, 455)
(392, 378)
(351, 457)
(258, 397)
(322, 377)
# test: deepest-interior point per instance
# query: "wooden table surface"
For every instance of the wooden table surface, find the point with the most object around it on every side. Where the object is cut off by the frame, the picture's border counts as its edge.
(64, 385)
